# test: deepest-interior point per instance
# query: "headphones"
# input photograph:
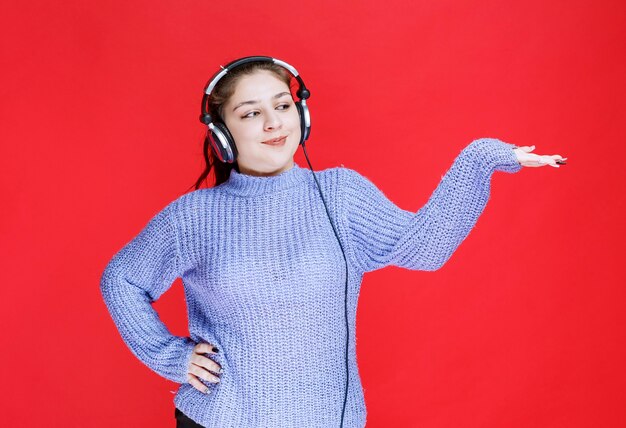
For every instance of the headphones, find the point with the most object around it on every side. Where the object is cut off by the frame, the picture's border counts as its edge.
(218, 134)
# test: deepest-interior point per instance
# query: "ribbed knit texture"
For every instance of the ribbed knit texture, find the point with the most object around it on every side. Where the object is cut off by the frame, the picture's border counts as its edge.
(264, 282)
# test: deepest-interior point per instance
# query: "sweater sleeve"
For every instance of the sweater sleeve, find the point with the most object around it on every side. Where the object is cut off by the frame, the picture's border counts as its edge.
(381, 234)
(134, 278)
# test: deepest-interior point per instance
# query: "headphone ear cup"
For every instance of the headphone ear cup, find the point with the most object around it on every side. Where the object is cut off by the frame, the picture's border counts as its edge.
(222, 142)
(305, 128)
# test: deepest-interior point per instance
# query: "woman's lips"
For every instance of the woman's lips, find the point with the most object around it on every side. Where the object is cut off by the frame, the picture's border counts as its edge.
(276, 141)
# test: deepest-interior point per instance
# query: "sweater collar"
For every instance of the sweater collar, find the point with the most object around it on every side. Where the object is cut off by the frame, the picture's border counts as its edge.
(251, 185)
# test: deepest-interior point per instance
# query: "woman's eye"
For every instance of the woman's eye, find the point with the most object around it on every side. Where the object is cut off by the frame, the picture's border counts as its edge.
(251, 114)
(255, 113)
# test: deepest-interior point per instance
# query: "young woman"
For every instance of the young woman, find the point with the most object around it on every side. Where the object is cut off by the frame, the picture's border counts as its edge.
(272, 259)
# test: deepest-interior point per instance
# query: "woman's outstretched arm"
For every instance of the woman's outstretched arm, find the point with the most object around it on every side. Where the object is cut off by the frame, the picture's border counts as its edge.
(134, 278)
(382, 234)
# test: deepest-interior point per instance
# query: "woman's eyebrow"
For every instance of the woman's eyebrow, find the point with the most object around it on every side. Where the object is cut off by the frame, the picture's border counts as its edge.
(282, 94)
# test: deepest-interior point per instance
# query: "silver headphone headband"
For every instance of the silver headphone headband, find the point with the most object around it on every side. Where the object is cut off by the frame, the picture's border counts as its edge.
(215, 79)
(283, 64)
(231, 66)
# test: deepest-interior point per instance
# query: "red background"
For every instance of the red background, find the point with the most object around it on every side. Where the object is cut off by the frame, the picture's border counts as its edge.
(523, 327)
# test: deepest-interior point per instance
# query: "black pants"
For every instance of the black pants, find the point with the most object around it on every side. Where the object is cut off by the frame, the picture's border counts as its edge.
(182, 421)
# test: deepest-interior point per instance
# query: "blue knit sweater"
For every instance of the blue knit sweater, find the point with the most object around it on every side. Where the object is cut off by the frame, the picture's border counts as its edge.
(264, 281)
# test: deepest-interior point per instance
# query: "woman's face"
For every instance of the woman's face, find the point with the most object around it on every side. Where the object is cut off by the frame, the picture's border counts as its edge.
(263, 120)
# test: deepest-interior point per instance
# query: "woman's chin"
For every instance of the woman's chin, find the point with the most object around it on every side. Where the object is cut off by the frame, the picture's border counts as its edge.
(267, 169)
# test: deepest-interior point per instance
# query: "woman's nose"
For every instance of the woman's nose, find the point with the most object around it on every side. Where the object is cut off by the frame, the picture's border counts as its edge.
(272, 121)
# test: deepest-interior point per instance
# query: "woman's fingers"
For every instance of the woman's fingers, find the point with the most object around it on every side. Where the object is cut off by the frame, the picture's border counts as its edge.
(200, 360)
(205, 362)
(553, 160)
(200, 367)
(203, 373)
(193, 381)
(205, 348)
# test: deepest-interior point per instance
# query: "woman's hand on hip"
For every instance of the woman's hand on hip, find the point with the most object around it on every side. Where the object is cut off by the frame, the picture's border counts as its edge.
(200, 367)
(526, 158)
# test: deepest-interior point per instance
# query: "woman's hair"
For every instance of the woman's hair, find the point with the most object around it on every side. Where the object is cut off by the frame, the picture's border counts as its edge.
(225, 89)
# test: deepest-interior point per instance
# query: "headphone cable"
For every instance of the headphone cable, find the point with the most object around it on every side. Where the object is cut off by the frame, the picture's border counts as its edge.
(346, 287)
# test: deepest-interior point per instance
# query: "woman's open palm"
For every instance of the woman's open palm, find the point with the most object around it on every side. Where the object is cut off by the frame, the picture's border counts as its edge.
(526, 158)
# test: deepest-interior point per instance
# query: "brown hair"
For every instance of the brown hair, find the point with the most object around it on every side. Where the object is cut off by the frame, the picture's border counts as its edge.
(222, 92)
